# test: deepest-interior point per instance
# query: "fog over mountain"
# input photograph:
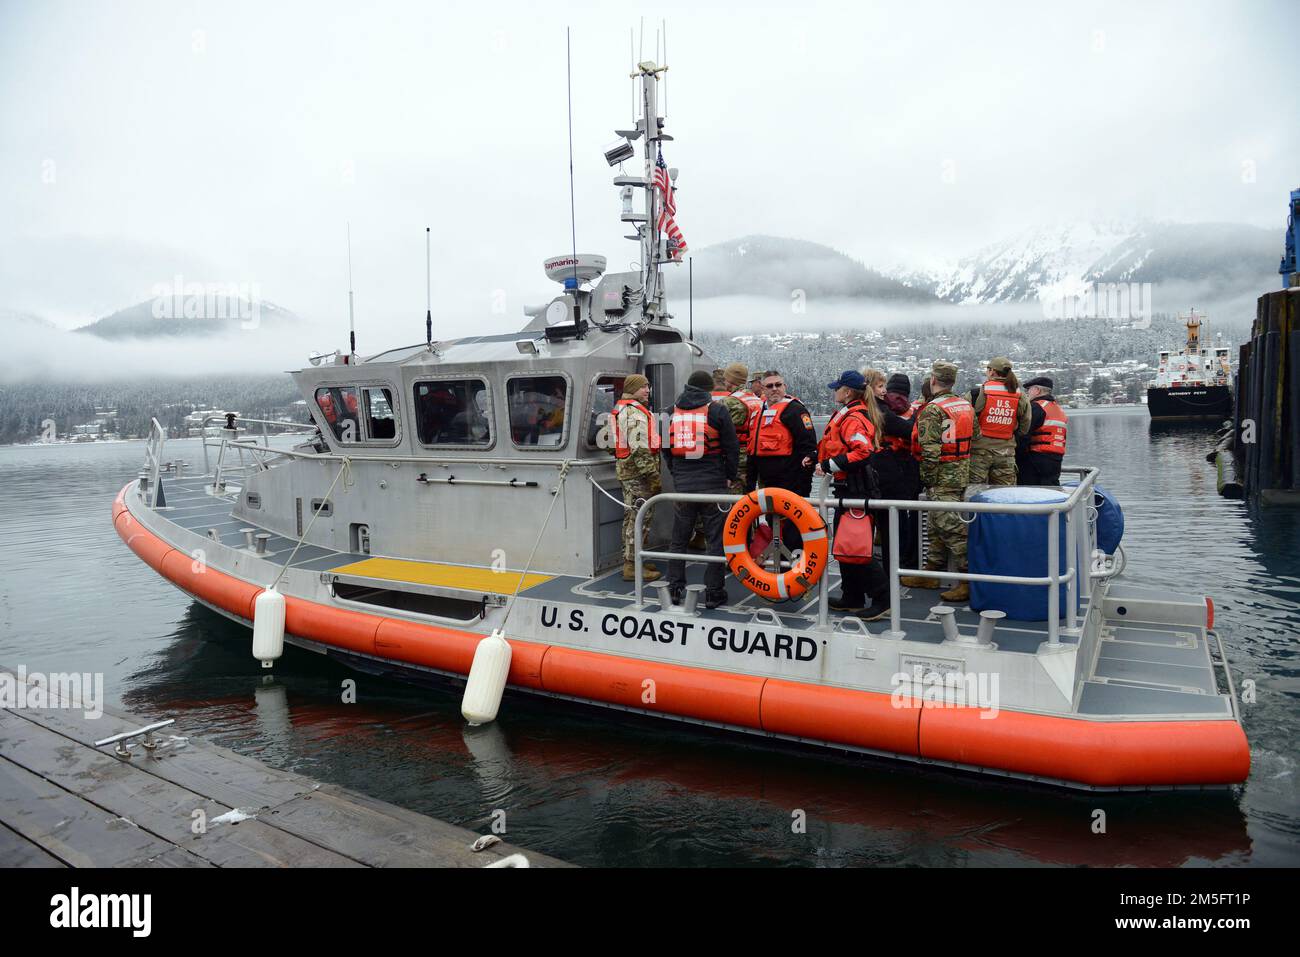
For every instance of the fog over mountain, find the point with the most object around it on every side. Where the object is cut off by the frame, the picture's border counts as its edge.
(755, 283)
(197, 316)
(1228, 259)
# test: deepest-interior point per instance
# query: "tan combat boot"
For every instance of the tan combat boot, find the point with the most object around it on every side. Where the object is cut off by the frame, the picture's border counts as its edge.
(959, 592)
(915, 581)
(649, 572)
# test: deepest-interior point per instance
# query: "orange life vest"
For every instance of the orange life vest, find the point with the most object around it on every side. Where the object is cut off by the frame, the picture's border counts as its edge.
(621, 447)
(918, 405)
(691, 436)
(898, 444)
(1050, 436)
(772, 437)
(754, 406)
(962, 414)
(998, 417)
(849, 421)
(326, 404)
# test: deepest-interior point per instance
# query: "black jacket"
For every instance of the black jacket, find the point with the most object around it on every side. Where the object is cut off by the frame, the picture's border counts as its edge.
(897, 472)
(788, 471)
(1037, 416)
(708, 473)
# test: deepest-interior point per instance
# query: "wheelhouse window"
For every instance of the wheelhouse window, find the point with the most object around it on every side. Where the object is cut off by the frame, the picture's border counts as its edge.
(538, 405)
(338, 406)
(453, 412)
(663, 388)
(381, 422)
(604, 394)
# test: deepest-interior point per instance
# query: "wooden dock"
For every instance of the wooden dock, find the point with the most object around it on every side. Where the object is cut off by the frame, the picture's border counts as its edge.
(66, 803)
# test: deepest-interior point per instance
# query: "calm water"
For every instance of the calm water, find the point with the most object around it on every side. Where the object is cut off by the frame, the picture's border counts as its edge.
(599, 789)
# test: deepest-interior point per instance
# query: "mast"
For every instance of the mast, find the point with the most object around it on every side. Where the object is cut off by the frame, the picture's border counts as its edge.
(652, 306)
(1193, 334)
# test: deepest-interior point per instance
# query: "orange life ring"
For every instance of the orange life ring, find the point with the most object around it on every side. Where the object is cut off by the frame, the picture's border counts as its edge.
(789, 506)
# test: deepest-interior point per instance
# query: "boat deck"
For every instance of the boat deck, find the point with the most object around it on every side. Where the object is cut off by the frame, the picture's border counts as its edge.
(1141, 668)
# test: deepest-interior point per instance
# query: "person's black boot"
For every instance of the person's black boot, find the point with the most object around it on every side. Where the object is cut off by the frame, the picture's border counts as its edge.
(840, 603)
(880, 608)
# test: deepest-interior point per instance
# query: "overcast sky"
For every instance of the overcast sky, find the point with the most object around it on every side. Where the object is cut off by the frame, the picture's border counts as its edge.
(233, 142)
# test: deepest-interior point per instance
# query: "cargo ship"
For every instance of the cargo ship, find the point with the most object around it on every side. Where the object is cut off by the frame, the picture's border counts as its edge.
(1195, 382)
(452, 514)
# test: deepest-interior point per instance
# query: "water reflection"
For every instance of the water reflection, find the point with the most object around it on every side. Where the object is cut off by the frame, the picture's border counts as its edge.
(620, 789)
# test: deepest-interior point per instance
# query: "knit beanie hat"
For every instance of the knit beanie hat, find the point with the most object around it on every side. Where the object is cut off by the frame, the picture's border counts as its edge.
(900, 383)
(737, 374)
(701, 380)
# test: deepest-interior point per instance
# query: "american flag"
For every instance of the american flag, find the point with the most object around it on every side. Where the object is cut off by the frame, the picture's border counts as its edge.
(668, 206)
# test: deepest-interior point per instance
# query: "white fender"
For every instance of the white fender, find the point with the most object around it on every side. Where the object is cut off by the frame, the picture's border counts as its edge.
(268, 627)
(487, 679)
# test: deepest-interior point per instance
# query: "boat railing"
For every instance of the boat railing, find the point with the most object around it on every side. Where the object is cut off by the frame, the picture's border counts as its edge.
(458, 459)
(226, 441)
(1079, 516)
(153, 448)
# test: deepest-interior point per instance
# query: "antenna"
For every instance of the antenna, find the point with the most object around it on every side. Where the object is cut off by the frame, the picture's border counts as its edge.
(661, 63)
(690, 287)
(428, 293)
(640, 50)
(352, 322)
(573, 218)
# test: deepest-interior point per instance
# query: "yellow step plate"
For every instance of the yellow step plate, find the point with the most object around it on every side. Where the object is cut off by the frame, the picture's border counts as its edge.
(446, 576)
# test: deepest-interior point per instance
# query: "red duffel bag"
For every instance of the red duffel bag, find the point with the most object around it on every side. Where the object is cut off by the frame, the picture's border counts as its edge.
(853, 538)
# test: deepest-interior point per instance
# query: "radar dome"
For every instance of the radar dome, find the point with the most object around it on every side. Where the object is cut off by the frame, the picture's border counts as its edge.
(587, 266)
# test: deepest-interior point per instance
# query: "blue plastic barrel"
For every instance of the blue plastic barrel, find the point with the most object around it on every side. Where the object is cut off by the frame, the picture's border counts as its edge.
(1010, 544)
(1110, 518)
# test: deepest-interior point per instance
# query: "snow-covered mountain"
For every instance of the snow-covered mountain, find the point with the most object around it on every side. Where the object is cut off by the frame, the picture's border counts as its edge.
(775, 266)
(216, 315)
(1225, 258)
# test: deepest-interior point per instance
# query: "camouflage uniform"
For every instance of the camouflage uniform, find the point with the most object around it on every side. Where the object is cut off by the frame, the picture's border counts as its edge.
(739, 414)
(944, 482)
(993, 461)
(638, 474)
(990, 466)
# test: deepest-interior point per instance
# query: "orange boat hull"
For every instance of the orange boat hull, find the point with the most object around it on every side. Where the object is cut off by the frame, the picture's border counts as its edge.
(1100, 754)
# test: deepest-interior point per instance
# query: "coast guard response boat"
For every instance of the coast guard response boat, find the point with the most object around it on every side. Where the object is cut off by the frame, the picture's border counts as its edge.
(457, 496)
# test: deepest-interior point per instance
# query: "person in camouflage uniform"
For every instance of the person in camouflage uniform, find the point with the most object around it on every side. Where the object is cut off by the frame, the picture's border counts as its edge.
(993, 458)
(742, 415)
(944, 481)
(638, 469)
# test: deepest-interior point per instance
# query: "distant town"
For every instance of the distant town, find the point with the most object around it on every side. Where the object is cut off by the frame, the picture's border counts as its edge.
(1092, 362)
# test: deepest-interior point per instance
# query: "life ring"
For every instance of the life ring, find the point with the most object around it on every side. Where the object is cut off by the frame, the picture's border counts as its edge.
(793, 508)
